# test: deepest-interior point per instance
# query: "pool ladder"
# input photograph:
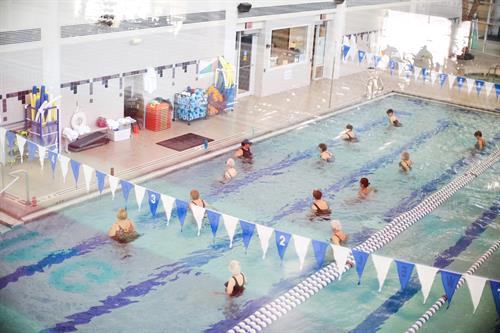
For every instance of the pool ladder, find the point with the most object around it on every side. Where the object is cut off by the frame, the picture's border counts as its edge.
(270, 312)
(14, 174)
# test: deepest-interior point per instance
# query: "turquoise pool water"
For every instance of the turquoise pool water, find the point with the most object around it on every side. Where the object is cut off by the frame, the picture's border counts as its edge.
(61, 274)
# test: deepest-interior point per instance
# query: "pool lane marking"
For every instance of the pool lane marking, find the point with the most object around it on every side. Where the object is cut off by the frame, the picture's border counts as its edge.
(394, 303)
(303, 204)
(54, 258)
(285, 163)
(184, 266)
(17, 239)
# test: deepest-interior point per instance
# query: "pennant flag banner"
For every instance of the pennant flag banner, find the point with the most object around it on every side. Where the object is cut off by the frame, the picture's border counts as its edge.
(247, 230)
(11, 138)
(425, 73)
(301, 246)
(479, 86)
(168, 205)
(126, 187)
(416, 72)
(182, 207)
(64, 163)
(345, 50)
(442, 79)
(450, 281)
(32, 148)
(361, 56)
(113, 185)
(404, 272)
(264, 237)
(488, 87)
(199, 215)
(42, 151)
(75, 167)
(426, 275)
(154, 200)
(434, 77)
(401, 68)
(53, 161)
(476, 286)
(282, 240)
(360, 258)
(451, 80)
(497, 89)
(376, 60)
(139, 196)
(213, 219)
(87, 175)
(319, 252)
(392, 65)
(495, 290)
(230, 223)
(470, 85)
(3, 132)
(100, 180)
(382, 265)
(21, 142)
(340, 254)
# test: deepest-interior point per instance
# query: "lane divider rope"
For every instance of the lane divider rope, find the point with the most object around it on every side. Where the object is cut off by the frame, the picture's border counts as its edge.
(274, 310)
(442, 300)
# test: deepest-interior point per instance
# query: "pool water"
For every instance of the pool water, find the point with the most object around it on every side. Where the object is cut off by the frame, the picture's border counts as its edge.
(62, 274)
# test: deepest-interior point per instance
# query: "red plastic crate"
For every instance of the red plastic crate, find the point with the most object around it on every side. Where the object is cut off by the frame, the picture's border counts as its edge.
(158, 116)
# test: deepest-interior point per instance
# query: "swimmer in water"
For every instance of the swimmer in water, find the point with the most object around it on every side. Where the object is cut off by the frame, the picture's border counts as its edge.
(405, 163)
(324, 153)
(481, 142)
(236, 283)
(393, 120)
(244, 153)
(196, 200)
(320, 207)
(348, 134)
(123, 230)
(230, 171)
(364, 189)
(338, 236)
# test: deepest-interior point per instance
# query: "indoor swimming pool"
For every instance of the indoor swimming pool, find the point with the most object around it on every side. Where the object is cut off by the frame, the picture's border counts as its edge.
(62, 274)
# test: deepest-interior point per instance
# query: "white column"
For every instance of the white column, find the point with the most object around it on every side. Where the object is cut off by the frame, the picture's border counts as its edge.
(51, 48)
(230, 31)
(338, 34)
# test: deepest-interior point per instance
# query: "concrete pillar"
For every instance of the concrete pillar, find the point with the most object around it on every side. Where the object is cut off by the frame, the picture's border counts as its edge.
(230, 31)
(51, 45)
(338, 34)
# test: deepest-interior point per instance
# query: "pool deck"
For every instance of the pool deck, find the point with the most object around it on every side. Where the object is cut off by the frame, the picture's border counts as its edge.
(141, 158)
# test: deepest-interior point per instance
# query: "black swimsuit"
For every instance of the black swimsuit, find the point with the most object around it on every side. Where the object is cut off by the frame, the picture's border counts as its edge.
(324, 213)
(202, 202)
(247, 154)
(237, 289)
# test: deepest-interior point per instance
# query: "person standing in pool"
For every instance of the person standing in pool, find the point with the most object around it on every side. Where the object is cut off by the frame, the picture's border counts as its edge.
(196, 200)
(348, 134)
(324, 153)
(123, 230)
(364, 188)
(236, 283)
(393, 120)
(244, 153)
(320, 207)
(481, 142)
(230, 172)
(405, 163)
(338, 236)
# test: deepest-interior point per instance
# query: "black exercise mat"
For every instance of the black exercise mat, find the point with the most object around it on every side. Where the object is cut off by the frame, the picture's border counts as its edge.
(184, 142)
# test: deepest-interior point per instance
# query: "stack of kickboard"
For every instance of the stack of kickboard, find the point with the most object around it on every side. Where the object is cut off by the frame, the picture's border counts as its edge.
(190, 104)
(158, 115)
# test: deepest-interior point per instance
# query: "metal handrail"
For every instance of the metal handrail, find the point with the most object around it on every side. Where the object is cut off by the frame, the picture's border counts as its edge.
(16, 178)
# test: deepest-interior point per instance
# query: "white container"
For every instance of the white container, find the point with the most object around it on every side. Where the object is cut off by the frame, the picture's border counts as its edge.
(120, 135)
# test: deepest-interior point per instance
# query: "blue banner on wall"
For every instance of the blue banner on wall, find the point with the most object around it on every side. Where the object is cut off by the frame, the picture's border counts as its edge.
(361, 56)
(213, 218)
(282, 240)
(404, 272)
(450, 281)
(32, 149)
(495, 290)
(247, 230)
(319, 251)
(181, 208)
(154, 200)
(75, 167)
(360, 257)
(53, 160)
(126, 187)
(442, 79)
(100, 180)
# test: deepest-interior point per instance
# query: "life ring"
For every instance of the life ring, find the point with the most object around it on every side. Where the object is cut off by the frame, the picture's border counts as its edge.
(78, 121)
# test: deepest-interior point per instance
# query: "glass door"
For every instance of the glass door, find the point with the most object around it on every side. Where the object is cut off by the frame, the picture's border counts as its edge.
(318, 62)
(246, 63)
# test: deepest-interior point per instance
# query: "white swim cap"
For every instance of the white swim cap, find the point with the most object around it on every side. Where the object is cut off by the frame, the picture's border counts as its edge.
(336, 225)
(230, 162)
(234, 267)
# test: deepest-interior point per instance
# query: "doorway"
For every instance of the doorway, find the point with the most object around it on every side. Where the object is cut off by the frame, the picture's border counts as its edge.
(318, 54)
(246, 48)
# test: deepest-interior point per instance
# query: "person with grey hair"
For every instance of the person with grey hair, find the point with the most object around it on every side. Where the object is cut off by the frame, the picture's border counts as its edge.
(338, 236)
(236, 284)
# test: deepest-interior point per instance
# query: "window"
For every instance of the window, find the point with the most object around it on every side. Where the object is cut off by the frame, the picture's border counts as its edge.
(288, 46)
